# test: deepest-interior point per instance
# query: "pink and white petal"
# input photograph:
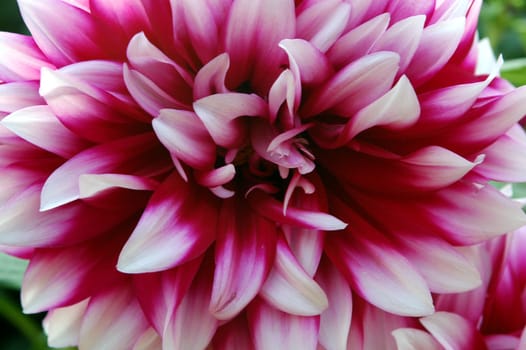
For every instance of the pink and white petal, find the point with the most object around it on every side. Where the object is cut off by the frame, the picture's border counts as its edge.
(169, 233)
(220, 112)
(358, 41)
(21, 58)
(271, 208)
(354, 86)
(453, 332)
(403, 37)
(39, 126)
(274, 329)
(244, 253)
(185, 136)
(62, 325)
(403, 9)
(192, 326)
(113, 320)
(149, 340)
(486, 213)
(503, 159)
(160, 294)
(286, 89)
(91, 185)
(148, 95)
(289, 288)
(379, 273)
(312, 65)
(335, 321)
(254, 29)
(210, 79)
(233, 336)
(323, 23)
(136, 155)
(414, 339)
(170, 77)
(386, 111)
(438, 43)
(216, 177)
(428, 169)
(17, 95)
(443, 267)
(52, 32)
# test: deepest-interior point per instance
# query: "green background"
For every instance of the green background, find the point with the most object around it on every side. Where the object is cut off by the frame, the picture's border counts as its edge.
(504, 22)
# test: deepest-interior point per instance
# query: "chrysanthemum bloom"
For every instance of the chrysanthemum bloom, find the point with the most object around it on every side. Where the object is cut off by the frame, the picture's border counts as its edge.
(196, 173)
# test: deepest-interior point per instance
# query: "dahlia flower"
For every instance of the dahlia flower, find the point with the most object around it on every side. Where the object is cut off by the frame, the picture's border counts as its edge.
(232, 174)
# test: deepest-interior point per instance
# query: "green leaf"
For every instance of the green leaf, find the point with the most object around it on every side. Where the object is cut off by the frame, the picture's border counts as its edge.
(515, 71)
(11, 271)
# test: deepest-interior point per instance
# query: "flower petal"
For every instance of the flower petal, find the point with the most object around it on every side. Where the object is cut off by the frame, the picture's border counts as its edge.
(244, 253)
(62, 325)
(274, 329)
(234, 335)
(289, 288)
(169, 233)
(414, 339)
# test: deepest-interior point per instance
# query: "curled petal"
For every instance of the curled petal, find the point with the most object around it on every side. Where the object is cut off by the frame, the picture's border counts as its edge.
(312, 65)
(211, 78)
(289, 288)
(288, 331)
(169, 233)
(245, 248)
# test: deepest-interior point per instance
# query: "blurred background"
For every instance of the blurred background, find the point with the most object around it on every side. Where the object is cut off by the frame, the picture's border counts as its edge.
(502, 21)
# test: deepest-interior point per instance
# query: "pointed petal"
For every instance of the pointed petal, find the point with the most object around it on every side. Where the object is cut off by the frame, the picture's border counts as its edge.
(113, 320)
(274, 329)
(220, 112)
(414, 339)
(169, 233)
(289, 288)
(160, 294)
(39, 126)
(312, 65)
(244, 253)
(136, 155)
(211, 77)
(192, 326)
(185, 136)
(452, 331)
(53, 34)
(503, 159)
(335, 322)
(149, 340)
(62, 325)
(355, 86)
(379, 273)
(273, 209)
(21, 58)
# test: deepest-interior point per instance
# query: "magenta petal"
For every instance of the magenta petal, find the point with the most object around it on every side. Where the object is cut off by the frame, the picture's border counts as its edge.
(219, 114)
(289, 288)
(234, 335)
(274, 329)
(244, 253)
(452, 331)
(52, 32)
(119, 156)
(39, 126)
(21, 58)
(254, 29)
(113, 319)
(504, 159)
(335, 321)
(185, 136)
(355, 86)
(169, 233)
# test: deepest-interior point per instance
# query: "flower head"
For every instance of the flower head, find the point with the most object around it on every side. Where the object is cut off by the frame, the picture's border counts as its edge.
(230, 173)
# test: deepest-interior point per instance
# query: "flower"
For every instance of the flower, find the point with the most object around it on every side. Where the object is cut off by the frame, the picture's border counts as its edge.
(233, 174)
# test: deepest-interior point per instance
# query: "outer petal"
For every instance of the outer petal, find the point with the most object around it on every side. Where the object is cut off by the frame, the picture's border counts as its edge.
(21, 58)
(62, 325)
(290, 289)
(39, 126)
(169, 233)
(273, 329)
(234, 335)
(245, 248)
(453, 332)
(17, 95)
(113, 320)
(414, 339)
(50, 24)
